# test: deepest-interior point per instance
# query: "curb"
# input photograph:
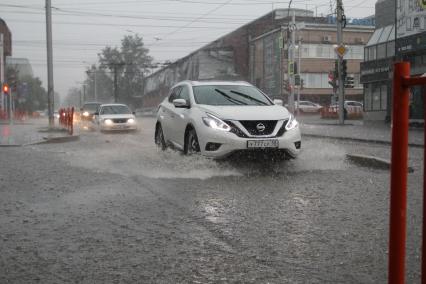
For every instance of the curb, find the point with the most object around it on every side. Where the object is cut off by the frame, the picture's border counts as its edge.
(10, 145)
(382, 142)
(61, 139)
(372, 162)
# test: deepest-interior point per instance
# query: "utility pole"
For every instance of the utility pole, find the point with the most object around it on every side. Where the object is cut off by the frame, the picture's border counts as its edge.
(290, 69)
(50, 90)
(299, 65)
(96, 86)
(115, 84)
(341, 89)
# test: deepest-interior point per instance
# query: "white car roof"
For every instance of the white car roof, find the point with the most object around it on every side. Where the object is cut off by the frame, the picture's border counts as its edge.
(220, 83)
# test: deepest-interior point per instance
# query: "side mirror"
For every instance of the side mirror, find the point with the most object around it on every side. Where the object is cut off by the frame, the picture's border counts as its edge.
(180, 103)
(134, 112)
(96, 113)
(278, 102)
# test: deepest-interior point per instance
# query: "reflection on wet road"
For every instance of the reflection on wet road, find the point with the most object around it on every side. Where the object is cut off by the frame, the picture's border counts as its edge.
(120, 209)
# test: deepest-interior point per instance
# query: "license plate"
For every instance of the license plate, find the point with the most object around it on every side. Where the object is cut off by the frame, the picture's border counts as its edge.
(120, 126)
(262, 144)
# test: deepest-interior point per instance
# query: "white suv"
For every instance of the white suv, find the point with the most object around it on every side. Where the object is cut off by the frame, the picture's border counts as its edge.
(219, 118)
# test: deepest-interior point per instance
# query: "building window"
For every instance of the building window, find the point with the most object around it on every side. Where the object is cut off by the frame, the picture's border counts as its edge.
(381, 51)
(372, 53)
(367, 97)
(390, 49)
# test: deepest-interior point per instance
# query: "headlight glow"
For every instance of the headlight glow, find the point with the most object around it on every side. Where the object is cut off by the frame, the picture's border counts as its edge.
(131, 120)
(292, 123)
(216, 123)
(85, 113)
(108, 121)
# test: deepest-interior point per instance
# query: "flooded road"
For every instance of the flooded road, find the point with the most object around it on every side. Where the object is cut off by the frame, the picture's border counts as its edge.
(112, 208)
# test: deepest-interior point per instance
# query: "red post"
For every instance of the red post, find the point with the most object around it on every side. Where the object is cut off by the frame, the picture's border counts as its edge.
(399, 171)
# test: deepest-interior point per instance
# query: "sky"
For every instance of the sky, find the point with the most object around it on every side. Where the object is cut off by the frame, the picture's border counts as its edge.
(171, 29)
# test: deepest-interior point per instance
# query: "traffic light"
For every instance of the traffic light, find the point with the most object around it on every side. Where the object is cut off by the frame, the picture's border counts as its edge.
(349, 82)
(6, 89)
(297, 80)
(344, 68)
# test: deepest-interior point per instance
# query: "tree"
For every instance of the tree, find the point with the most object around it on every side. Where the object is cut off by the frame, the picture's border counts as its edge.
(103, 88)
(28, 92)
(131, 62)
(73, 97)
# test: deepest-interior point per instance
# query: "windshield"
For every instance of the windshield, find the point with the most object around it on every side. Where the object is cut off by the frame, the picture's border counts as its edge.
(228, 95)
(118, 109)
(91, 107)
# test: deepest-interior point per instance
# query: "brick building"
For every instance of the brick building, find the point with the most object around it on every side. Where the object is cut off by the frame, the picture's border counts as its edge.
(252, 53)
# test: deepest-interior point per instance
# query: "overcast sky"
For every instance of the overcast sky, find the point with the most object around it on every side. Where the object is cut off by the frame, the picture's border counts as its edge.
(171, 28)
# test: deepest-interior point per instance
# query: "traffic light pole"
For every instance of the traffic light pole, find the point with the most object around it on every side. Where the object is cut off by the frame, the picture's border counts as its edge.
(341, 87)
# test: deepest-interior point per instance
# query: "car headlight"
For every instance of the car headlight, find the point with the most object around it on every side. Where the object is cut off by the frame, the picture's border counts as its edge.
(85, 113)
(216, 123)
(108, 121)
(131, 120)
(291, 123)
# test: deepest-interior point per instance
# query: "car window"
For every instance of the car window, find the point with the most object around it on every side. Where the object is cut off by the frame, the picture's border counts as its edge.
(174, 94)
(116, 109)
(184, 94)
(223, 95)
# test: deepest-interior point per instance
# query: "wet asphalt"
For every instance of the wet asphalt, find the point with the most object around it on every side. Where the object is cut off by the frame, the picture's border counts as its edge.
(112, 208)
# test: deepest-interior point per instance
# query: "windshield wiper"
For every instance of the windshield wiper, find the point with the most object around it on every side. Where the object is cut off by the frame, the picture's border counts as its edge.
(229, 98)
(248, 97)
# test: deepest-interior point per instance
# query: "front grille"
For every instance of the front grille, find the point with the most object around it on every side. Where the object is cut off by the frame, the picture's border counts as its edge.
(120, 120)
(254, 126)
(235, 129)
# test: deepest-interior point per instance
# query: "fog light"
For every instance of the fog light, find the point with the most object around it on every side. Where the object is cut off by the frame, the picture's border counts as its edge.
(298, 144)
(212, 146)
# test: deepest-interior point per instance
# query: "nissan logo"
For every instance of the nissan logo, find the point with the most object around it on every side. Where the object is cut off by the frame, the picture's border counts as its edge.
(260, 127)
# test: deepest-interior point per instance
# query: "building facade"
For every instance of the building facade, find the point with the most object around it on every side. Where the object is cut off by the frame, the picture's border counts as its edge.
(315, 60)
(391, 43)
(252, 53)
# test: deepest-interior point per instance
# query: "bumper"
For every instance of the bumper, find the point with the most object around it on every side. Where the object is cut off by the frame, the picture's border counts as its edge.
(118, 127)
(289, 143)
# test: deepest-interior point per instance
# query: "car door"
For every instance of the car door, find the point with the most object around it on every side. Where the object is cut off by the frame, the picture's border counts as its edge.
(180, 117)
(168, 115)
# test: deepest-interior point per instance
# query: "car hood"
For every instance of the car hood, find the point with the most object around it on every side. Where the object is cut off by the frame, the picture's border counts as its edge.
(112, 116)
(273, 112)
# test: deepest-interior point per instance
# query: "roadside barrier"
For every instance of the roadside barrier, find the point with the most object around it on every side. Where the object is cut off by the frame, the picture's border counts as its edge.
(402, 82)
(353, 112)
(66, 119)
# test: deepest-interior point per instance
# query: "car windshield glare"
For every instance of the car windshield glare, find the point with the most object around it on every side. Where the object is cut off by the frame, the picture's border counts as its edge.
(229, 95)
(115, 110)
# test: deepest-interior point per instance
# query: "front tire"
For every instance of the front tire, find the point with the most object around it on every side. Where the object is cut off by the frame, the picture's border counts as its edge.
(191, 143)
(159, 138)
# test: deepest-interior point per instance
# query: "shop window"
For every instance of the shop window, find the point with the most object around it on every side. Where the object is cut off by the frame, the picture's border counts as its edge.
(384, 97)
(367, 97)
(375, 93)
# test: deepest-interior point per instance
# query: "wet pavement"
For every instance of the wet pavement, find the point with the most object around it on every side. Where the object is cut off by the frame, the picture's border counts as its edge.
(112, 208)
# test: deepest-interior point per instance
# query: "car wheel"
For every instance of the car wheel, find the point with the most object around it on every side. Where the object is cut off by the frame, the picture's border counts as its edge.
(159, 138)
(191, 143)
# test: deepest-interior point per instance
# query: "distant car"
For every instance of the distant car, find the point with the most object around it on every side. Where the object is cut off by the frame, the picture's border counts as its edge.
(308, 107)
(219, 118)
(115, 117)
(88, 110)
(354, 104)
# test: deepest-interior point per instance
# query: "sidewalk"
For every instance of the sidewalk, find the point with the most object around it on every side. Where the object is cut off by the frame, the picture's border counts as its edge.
(31, 131)
(355, 130)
